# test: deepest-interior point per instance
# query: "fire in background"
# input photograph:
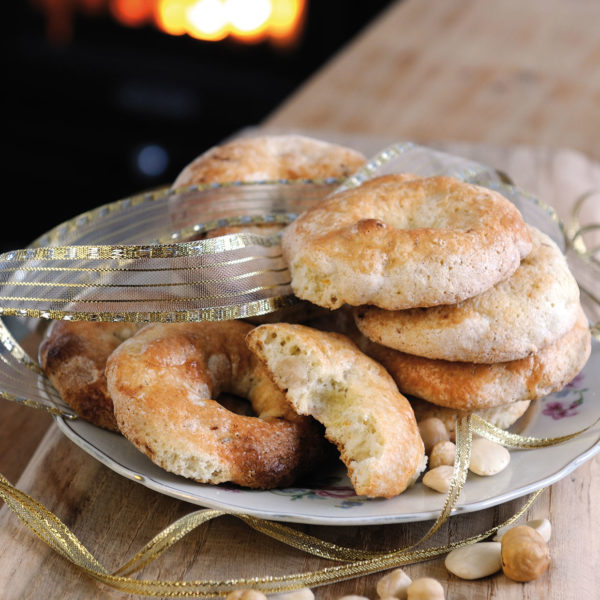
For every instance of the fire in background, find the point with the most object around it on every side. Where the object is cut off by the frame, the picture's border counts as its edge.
(251, 21)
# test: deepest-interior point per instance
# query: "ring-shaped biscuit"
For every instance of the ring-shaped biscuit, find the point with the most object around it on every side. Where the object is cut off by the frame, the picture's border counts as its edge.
(163, 382)
(260, 158)
(73, 355)
(519, 316)
(269, 158)
(398, 242)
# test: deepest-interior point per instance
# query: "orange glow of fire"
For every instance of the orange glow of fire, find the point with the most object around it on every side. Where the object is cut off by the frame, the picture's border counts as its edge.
(132, 13)
(251, 21)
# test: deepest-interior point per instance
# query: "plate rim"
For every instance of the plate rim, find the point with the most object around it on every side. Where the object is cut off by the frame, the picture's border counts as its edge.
(312, 519)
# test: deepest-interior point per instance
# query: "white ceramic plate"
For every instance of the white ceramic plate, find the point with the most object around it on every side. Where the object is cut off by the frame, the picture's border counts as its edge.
(330, 500)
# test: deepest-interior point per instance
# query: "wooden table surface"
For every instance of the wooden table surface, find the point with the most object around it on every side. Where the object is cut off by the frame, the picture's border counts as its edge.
(515, 84)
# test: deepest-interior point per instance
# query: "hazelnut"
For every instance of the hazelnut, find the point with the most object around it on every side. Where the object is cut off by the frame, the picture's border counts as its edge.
(525, 554)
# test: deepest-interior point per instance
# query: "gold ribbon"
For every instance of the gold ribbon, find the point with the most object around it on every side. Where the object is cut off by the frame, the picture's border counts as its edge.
(513, 440)
(358, 562)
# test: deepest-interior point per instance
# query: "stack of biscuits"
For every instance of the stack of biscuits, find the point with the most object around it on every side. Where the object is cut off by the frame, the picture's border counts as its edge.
(497, 346)
(492, 354)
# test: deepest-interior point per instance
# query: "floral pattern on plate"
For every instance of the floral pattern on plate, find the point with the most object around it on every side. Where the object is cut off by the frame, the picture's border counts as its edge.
(565, 403)
(334, 489)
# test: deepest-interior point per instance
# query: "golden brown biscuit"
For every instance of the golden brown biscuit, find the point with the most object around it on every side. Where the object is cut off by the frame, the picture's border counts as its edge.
(537, 305)
(325, 375)
(397, 243)
(269, 158)
(471, 387)
(260, 158)
(73, 355)
(164, 381)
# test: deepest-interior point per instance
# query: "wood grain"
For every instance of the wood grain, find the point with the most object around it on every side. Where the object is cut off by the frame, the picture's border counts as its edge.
(515, 72)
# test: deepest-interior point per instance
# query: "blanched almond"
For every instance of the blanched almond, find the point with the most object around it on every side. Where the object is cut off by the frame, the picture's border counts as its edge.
(439, 479)
(432, 431)
(487, 457)
(425, 588)
(475, 560)
(393, 584)
(443, 453)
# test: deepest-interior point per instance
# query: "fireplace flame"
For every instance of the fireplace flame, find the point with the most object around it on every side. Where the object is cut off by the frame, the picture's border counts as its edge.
(249, 21)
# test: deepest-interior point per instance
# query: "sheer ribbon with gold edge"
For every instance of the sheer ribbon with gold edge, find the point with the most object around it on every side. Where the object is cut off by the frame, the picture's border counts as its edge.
(126, 261)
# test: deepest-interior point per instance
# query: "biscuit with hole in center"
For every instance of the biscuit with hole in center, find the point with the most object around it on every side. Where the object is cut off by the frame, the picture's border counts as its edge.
(397, 242)
(164, 382)
(269, 158)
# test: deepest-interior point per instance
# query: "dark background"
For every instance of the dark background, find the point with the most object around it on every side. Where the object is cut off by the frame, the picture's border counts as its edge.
(78, 113)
